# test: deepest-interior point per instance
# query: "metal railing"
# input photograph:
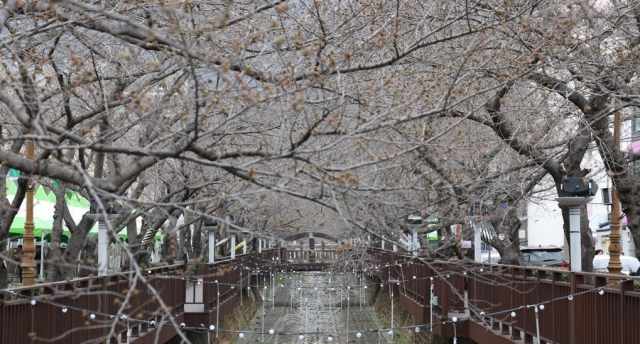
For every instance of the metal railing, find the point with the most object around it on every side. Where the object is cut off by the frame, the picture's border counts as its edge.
(86, 309)
(579, 308)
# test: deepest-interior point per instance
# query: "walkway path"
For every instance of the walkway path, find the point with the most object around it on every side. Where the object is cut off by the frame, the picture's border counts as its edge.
(314, 308)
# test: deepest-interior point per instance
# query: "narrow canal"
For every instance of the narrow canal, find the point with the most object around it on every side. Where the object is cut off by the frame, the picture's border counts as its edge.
(314, 307)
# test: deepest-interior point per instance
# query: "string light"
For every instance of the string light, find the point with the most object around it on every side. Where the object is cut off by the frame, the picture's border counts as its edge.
(540, 306)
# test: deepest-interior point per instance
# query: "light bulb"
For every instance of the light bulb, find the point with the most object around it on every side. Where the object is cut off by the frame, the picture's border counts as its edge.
(417, 329)
(182, 325)
(212, 328)
(301, 337)
(601, 292)
(513, 314)
(541, 307)
(358, 334)
(92, 316)
(33, 302)
(271, 331)
(241, 335)
(329, 339)
(454, 319)
(390, 332)
(414, 277)
(482, 314)
(570, 297)
(64, 310)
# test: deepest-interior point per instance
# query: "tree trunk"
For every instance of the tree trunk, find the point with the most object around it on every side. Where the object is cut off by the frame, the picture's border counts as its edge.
(507, 224)
(54, 256)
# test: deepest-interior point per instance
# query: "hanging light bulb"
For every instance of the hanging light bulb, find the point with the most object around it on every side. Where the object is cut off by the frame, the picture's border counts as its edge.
(301, 337)
(358, 334)
(33, 302)
(241, 335)
(212, 328)
(513, 314)
(570, 297)
(417, 329)
(271, 331)
(541, 307)
(92, 316)
(329, 339)
(64, 310)
(601, 292)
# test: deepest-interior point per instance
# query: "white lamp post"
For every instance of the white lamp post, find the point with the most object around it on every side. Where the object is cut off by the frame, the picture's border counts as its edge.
(576, 193)
(112, 209)
(210, 227)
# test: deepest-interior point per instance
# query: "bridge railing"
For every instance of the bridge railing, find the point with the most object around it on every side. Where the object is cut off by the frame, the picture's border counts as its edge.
(306, 255)
(585, 308)
(81, 310)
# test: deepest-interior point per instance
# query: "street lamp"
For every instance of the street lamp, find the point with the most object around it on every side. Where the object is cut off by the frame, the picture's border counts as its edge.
(576, 192)
(111, 208)
(28, 264)
(210, 226)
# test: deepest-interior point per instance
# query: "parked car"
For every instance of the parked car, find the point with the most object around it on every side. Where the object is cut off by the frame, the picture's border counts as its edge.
(548, 256)
(630, 265)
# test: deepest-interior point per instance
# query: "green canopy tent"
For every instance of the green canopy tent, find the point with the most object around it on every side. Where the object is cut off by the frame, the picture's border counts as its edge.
(17, 227)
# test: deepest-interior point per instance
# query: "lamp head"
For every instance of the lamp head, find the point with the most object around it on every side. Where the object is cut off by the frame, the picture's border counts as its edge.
(579, 187)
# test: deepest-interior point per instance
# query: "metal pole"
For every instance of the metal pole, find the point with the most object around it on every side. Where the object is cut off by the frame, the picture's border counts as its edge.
(273, 290)
(42, 255)
(576, 246)
(217, 308)
(348, 315)
(361, 290)
(103, 247)
(477, 245)
(241, 292)
(263, 316)
(233, 246)
(537, 323)
(414, 242)
(431, 308)
(212, 246)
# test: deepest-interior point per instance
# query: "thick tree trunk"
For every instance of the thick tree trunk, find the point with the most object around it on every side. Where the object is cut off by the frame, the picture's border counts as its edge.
(507, 224)
(54, 256)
